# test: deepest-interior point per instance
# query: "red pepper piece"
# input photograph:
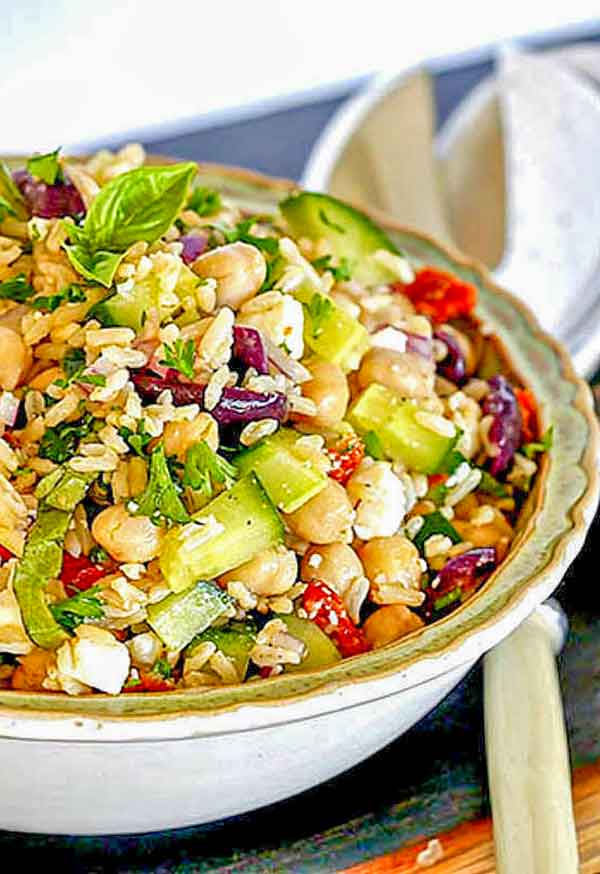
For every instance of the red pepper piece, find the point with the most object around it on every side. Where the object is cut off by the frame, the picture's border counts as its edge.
(345, 458)
(80, 573)
(439, 295)
(436, 479)
(150, 683)
(527, 406)
(325, 608)
(5, 553)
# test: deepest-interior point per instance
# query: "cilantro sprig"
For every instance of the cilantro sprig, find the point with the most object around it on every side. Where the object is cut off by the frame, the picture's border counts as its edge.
(180, 356)
(73, 293)
(242, 232)
(17, 288)
(160, 500)
(60, 443)
(74, 611)
(341, 272)
(318, 310)
(205, 201)
(204, 470)
(138, 439)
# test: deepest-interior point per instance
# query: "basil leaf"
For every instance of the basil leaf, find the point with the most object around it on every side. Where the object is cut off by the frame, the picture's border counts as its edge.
(11, 194)
(46, 167)
(98, 266)
(139, 205)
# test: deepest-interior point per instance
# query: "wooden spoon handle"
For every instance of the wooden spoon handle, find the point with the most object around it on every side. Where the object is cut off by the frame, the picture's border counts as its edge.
(527, 753)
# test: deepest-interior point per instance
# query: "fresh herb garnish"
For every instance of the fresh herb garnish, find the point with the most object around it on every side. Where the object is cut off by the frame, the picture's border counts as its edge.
(46, 167)
(373, 446)
(162, 668)
(329, 223)
(74, 611)
(447, 599)
(435, 523)
(180, 356)
(340, 272)
(97, 555)
(139, 205)
(17, 288)
(491, 486)
(138, 439)
(11, 195)
(318, 309)
(204, 469)
(242, 233)
(73, 362)
(72, 293)
(59, 444)
(92, 379)
(160, 500)
(205, 201)
(543, 445)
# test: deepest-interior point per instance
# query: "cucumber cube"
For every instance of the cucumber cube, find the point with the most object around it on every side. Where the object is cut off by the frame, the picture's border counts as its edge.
(177, 619)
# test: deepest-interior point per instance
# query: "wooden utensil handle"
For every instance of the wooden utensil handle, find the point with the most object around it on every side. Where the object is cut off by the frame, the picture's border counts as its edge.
(527, 753)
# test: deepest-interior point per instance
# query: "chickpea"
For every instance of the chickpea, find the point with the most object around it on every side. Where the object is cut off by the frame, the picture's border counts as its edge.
(408, 374)
(325, 518)
(15, 358)
(329, 390)
(391, 560)
(32, 670)
(179, 436)
(126, 538)
(497, 533)
(240, 270)
(271, 572)
(42, 380)
(390, 623)
(336, 564)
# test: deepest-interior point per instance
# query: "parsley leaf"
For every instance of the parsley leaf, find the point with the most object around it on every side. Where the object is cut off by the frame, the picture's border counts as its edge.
(160, 500)
(204, 469)
(531, 449)
(17, 289)
(97, 555)
(491, 486)
(73, 362)
(162, 668)
(74, 611)
(318, 309)
(59, 444)
(373, 445)
(242, 232)
(46, 167)
(341, 272)
(205, 201)
(72, 293)
(138, 439)
(180, 356)
(435, 523)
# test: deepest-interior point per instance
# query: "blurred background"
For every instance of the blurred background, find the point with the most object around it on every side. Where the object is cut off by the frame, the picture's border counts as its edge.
(82, 73)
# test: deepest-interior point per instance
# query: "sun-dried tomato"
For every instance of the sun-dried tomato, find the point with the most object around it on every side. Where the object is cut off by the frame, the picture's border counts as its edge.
(325, 608)
(527, 406)
(439, 295)
(79, 573)
(5, 553)
(345, 456)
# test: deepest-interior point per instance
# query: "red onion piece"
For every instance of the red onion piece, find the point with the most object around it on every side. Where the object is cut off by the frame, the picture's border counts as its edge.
(505, 431)
(249, 349)
(453, 366)
(49, 201)
(236, 405)
(464, 572)
(193, 246)
(287, 365)
(419, 345)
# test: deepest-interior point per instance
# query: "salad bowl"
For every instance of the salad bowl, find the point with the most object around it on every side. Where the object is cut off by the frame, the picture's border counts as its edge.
(194, 756)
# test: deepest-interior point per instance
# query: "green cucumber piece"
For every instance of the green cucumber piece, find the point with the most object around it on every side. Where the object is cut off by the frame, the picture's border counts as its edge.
(379, 409)
(320, 650)
(250, 524)
(350, 233)
(235, 640)
(178, 618)
(330, 332)
(128, 309)
(289, 481)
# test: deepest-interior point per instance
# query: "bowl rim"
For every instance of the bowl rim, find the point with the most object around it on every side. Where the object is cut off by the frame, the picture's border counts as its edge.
(23, 713)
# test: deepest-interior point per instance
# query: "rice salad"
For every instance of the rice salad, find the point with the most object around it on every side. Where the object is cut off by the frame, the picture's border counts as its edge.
(233, 445)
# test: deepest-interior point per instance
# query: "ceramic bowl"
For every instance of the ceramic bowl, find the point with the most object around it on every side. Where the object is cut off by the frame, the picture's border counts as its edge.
(140, 762)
